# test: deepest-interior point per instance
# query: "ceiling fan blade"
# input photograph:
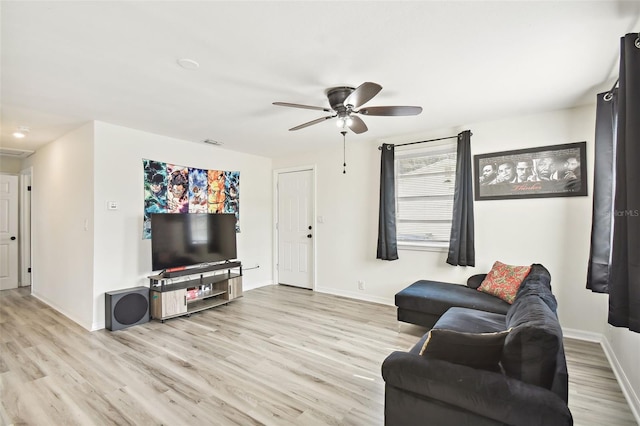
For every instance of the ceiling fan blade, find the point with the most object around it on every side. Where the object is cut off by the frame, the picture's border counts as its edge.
(287, 104)
(357, 125)
(363, 94)
(391, 110)
(312, 122)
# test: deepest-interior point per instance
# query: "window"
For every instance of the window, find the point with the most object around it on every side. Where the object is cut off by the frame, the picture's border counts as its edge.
(425, 182)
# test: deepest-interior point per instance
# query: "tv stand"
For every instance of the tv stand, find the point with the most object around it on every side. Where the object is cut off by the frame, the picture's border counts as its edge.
(171, 297)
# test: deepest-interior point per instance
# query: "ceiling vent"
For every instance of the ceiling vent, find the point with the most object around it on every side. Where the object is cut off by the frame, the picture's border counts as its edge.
(213, 142)
(15, 153)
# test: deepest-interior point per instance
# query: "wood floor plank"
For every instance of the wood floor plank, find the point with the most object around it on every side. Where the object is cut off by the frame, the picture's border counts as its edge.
(277, 356)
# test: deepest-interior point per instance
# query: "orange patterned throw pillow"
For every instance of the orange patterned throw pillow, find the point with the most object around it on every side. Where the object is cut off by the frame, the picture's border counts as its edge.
(503, 281)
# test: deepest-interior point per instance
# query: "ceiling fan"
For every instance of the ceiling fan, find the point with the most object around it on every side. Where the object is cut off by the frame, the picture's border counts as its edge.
(344, 102)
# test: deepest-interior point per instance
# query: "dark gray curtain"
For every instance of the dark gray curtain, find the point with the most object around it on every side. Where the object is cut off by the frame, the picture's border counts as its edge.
(624, 286)
(387, 244)
(461, 245)
(601, 225)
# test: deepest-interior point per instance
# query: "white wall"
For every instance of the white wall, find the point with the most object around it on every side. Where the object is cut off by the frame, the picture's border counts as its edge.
(82, 250)
(551, 231)
(62, 204)
(10, 165)
(122, 258)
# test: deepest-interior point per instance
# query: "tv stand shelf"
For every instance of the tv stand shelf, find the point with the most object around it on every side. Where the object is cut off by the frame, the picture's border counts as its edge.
(171, 298)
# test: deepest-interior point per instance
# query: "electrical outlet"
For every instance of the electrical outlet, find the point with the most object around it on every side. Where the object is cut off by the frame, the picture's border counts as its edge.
(361, 285)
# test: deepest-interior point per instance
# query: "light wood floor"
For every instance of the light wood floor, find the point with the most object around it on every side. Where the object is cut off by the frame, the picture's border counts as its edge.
(277, 356)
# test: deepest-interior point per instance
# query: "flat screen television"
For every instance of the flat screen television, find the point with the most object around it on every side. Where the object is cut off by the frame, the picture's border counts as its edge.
(187, 239)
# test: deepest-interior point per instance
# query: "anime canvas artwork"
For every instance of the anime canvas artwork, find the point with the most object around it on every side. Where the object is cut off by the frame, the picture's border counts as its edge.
(198, 191)
(216, 190)
(170, 188)
(178, 189)
(232, 195)
(155, 192)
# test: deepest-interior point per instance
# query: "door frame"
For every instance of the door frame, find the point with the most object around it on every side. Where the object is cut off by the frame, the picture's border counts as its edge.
(276, 194)
(24, 205)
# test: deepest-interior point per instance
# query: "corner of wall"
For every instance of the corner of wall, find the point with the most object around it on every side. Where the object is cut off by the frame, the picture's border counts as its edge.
(60, 309)
(625, 384)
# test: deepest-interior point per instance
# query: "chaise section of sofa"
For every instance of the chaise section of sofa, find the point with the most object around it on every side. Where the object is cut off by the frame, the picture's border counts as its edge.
(527, 384)
(424, 302)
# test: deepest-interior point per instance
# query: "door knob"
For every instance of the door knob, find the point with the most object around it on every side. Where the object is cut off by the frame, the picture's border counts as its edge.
(13, 238)
(310, 227)
(308, 235)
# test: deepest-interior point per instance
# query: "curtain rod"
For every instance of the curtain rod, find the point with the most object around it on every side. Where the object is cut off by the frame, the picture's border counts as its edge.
(429, 140)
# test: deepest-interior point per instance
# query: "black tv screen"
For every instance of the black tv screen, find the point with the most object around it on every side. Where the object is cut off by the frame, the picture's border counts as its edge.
(186, 239)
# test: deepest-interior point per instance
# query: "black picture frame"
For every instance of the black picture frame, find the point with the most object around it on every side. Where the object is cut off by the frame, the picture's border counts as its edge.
(541, 172)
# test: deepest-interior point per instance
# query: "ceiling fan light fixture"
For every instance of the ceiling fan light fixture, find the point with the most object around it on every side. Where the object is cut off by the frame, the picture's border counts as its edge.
(344, 100)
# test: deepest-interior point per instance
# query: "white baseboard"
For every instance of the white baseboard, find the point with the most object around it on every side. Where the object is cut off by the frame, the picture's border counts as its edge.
(355, 295)
(623, 380)
(247, 287)
(588, 336)
(66, 314)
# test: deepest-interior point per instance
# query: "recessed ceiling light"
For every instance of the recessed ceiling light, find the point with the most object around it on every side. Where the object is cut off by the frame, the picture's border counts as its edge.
(188, 64)
(21, 132)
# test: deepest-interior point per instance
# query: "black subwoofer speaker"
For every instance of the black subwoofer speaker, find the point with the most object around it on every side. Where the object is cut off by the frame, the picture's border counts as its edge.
(124, 308)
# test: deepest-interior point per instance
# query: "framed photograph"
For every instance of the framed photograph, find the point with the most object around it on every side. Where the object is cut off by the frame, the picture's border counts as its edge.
(546, 171)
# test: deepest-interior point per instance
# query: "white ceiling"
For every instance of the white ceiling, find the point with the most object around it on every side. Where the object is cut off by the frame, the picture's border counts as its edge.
(66, 63)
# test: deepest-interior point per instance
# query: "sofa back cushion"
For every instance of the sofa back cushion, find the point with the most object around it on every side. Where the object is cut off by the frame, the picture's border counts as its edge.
(531, 349)
(477, 350)
(538, 283)
(468, 337)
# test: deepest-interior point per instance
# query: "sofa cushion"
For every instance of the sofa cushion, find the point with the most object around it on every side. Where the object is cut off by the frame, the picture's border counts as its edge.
(467, 337)
(436, 297)
(531, 348)
(472, 321)
(504, 280)
(477, 350)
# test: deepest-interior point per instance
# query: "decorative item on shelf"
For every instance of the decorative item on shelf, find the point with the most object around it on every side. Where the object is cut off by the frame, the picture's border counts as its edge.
(192, 294)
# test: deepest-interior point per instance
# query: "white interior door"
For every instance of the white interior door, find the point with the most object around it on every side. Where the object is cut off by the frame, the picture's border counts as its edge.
(8, 232)
(295, 228)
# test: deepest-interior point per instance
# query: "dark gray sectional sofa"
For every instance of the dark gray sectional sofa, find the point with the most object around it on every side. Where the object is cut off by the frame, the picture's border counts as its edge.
(526, 383)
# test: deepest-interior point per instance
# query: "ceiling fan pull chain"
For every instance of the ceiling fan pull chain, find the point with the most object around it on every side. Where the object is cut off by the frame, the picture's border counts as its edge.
(344, 152)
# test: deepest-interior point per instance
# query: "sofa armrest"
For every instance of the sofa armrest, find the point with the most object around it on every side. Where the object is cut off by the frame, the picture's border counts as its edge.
(486, 393)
